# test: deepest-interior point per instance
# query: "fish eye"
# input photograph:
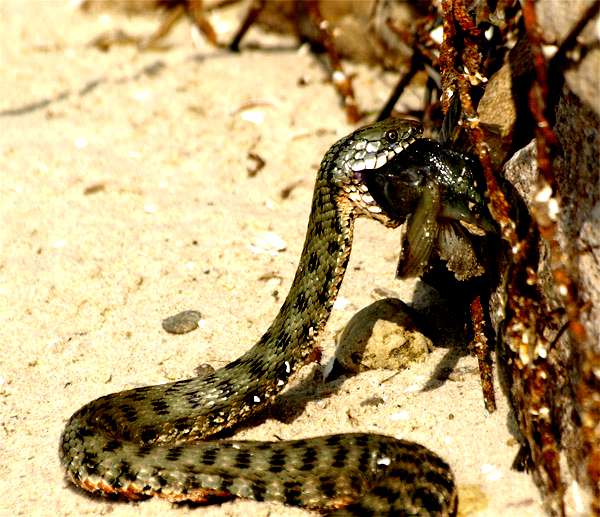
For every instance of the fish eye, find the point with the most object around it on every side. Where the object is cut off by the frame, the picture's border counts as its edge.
(391, 135)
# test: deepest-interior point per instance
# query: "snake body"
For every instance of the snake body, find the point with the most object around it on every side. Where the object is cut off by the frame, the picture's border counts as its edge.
(152, 441)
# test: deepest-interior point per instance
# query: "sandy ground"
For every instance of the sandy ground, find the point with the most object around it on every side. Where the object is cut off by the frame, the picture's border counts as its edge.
(125, 198)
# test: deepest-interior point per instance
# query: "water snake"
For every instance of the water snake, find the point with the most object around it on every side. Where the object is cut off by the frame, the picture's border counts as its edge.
(152, 441)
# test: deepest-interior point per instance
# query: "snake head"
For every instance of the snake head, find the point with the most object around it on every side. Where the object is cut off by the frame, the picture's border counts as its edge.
(352, 161)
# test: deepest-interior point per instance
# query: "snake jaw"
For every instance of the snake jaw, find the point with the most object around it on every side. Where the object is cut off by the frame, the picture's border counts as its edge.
(367, 150)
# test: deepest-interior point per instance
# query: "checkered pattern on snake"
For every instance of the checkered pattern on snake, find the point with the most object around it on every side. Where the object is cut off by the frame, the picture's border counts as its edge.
(153, 441)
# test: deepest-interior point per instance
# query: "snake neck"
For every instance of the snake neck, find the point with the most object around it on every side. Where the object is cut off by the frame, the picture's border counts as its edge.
(290, 340)
(249, 383)
(318, 277)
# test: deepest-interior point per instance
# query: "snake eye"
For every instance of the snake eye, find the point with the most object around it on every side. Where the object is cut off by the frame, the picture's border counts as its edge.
(391, 135)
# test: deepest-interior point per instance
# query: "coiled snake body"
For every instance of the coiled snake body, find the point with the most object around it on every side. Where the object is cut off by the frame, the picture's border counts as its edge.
(151, 441)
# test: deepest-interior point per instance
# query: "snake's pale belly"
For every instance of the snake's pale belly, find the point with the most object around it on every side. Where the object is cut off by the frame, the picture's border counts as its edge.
(152, 441)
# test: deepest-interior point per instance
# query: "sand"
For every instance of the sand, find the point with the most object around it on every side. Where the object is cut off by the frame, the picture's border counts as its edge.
(125, 198)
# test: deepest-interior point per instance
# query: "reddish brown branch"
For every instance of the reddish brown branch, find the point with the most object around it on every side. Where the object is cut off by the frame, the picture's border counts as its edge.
(481, 348)
(542, 101)
(253, 11)
(526, 314)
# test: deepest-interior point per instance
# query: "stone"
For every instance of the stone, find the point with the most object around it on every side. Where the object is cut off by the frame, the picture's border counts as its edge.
(382, 335)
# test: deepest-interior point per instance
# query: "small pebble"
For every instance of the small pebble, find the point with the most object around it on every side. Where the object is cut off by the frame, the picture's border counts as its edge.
(182, 323)
(373, 401)
(204, 369)
(94, 188)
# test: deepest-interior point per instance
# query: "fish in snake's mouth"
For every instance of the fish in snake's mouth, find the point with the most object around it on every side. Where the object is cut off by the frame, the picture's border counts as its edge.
(400, 184)
(438, 193)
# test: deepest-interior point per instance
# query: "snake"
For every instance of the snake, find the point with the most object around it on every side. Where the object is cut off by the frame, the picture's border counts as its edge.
(160, 440)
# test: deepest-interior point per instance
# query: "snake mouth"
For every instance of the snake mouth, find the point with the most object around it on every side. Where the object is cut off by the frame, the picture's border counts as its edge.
(376, 183)
(392, 189)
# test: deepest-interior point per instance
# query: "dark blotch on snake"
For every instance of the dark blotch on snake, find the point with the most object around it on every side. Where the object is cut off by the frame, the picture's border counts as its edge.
(301, 302)
(226, 482)
(108, 422)
(385, 493)
(149, 434)
(284, 339)
(309, 458)
(437, 479)
(256, 366)
(90, 459)
(333, 440)
(404, 475)
(192, 483)
(112, 446)
(144, 450)
(242, 460)
(313, 261)
(318, 228)
(364, 460)
(359, 509)
(183, 424)
(129, 412)
(277, 461)
(328, 487)
(333, 247)
(428, 499)
(340, 457)
(292, 492)
(175, 453)
(126, 471)
(83, 432)
(209, 456)
(160, 407)
(258, 490)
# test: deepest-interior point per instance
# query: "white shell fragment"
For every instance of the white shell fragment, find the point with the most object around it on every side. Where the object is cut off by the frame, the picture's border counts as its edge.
(341, 303)
(400, 416)
(491, 472)
(268, 243)
(80, 142)
(254, 116)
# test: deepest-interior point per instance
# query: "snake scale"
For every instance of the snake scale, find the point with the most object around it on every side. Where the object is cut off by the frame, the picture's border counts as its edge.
(152, 441)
